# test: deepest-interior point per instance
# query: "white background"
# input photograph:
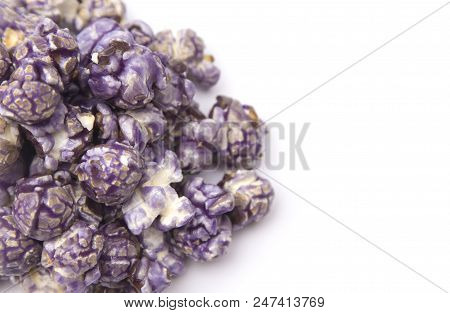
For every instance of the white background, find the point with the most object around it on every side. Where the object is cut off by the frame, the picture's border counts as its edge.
(378, 147)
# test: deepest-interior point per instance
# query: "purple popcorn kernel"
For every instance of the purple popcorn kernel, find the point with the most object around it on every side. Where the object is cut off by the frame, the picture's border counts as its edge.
(39, 70)
(204, 239)
(126, 75)
(91, 10)
(72, 258)
(150, 276)
(120, 253)
(209, 198)
(116, 68)
(95, 33)
(156, 201)
(110, 173)
(18, 253)
(106, 124)
(187, 49)
(28, 102)
(102, 35)
(87, 209)
(142, 126)
(241, 131)
(43, 208)
(158, 266)
(51, 45)
(208, 234)
(179, 92)
(63, 138)
(142, 32)
(157, 247)
(205, 74)
(253, 196)
(198, 145)
(177, 121)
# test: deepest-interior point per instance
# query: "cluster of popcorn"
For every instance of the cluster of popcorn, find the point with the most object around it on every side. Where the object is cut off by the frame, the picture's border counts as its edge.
(101, 144)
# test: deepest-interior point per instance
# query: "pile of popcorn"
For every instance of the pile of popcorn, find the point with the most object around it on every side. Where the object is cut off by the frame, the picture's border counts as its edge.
(101, 144)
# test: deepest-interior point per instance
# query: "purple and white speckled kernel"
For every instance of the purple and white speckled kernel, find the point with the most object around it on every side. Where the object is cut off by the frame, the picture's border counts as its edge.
(73, 257)
(208, 234)
(105, 124)
(241, 132)
(28, 102)
(198, 145)
(64, 137)
(110, 173)
(91, 10)
(156, 201)
(142, 126)
(120, 253)
(186, 50)
(159, 265)
(18, 253)
(42, 208)
(118, 70)
(205, 74)
(142, 32)
(51, 45)
(253, 196)
(178, 94)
